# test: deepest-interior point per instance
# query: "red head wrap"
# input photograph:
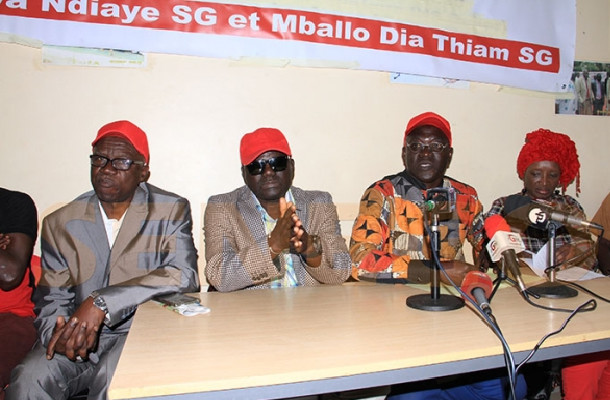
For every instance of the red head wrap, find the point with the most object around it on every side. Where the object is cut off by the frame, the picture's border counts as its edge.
(545, 145)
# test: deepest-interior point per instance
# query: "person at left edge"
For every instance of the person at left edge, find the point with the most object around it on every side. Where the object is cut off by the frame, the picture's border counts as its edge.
(268, 233)
(103, 254)
(18, 232)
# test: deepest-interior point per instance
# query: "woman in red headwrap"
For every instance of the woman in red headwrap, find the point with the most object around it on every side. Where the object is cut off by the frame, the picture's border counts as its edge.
(548, 161)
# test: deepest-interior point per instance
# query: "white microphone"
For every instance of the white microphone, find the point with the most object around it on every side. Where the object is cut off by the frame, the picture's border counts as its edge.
(504, 244)
(478, 286)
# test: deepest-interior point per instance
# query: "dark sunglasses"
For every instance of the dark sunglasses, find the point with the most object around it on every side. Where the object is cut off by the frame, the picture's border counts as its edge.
(257, 167)
(435, 147)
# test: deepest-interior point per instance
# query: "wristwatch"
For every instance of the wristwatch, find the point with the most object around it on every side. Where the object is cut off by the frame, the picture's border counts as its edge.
(316, 243)
(99, 302)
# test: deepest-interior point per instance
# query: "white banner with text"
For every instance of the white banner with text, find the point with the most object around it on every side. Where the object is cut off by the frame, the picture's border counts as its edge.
(525, 43)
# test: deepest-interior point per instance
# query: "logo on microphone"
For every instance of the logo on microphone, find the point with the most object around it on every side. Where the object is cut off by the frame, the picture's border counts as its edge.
(537, 216)
(492, 246)
(514, 239)
(503, 241)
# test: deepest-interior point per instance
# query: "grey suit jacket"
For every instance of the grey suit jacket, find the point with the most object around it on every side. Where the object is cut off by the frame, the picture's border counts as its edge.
(153, 254)
(236, 249)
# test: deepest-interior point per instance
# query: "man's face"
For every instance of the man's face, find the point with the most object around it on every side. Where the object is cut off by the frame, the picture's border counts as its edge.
(427, 165)
(269, 185)
(110, 184)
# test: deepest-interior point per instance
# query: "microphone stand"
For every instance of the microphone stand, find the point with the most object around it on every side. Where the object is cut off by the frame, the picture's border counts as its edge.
(501, 277)
(435, 301)
(552, 288)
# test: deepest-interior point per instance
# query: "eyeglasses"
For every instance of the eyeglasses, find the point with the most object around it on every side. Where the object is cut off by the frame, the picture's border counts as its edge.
(435, 147)
(257, 167)
(122, 164)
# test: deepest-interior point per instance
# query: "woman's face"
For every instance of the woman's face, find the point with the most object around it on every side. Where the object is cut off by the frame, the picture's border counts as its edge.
(541, 179)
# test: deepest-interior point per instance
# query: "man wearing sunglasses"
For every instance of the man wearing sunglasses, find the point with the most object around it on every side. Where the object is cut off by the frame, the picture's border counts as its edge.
(268, 233)
(103, 254)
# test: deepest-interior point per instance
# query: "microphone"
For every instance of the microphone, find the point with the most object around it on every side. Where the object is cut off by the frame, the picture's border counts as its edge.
(539, 215)
(478, 286)
(503, 244)
(440, 200)
(434, 206)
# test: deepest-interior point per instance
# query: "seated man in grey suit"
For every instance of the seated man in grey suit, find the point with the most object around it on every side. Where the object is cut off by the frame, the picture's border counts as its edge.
(103, 254)
(269, 233)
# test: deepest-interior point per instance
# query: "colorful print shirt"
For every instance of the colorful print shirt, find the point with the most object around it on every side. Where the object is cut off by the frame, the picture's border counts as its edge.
(389, 229)
(534, 238)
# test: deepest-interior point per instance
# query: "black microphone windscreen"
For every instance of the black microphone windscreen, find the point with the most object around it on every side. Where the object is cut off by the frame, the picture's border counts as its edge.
(517, 213)
(515, 202)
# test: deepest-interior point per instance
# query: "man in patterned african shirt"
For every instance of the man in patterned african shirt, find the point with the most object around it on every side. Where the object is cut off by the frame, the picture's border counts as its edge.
(388, 241)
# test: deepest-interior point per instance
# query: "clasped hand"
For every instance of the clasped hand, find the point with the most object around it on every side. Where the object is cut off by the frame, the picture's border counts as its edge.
(77, 336)
(288, 231)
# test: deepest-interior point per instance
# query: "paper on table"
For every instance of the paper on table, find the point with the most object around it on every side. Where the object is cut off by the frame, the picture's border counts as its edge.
(574, 274)
(538, 263)
(187, 309)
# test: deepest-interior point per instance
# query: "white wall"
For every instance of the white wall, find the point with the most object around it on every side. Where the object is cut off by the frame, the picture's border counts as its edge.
(345, 127)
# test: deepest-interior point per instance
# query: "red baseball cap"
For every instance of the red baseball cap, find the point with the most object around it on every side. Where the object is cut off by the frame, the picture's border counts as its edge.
(127, 130)
(429, 118)
(260, 141)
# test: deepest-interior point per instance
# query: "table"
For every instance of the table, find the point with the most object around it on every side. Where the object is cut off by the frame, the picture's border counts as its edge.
(291, 342)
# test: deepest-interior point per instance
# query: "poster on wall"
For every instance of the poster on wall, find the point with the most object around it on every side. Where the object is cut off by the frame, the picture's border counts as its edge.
(491, 41)
(587, 92)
